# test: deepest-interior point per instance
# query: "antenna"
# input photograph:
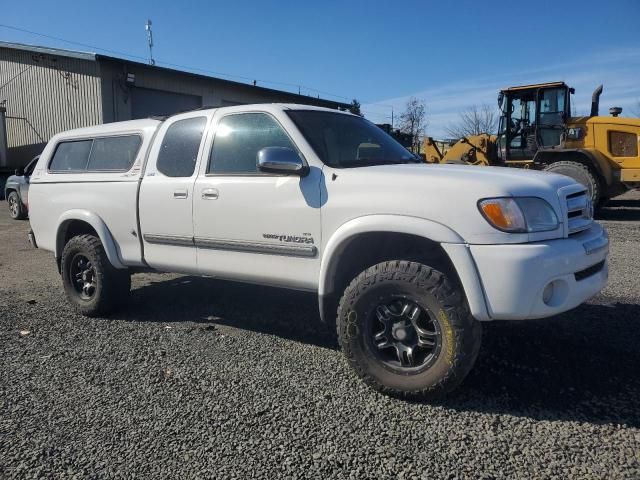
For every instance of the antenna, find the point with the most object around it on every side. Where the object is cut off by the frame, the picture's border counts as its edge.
(147, 27)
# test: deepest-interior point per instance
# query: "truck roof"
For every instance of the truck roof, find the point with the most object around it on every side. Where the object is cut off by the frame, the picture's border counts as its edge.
(282, 106)
(153, 123)
(298, 106)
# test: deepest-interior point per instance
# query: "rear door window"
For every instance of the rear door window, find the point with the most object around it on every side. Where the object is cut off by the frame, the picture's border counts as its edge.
(28, 170)
(179, 149)
(114, 153)
(71, 156)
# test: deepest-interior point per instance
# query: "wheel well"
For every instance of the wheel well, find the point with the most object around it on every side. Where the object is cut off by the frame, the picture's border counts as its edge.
(68, 230)
(368, 249)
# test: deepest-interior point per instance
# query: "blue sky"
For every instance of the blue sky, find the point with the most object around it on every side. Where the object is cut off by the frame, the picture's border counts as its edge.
(452, 54)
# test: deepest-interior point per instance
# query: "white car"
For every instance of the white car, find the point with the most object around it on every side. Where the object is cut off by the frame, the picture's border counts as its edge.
(412, 257)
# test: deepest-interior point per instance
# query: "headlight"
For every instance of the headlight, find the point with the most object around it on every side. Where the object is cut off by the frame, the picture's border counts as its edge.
(575, 133)
(519, 215)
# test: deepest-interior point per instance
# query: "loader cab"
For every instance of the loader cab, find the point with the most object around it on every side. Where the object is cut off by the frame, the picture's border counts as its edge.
(533, 117)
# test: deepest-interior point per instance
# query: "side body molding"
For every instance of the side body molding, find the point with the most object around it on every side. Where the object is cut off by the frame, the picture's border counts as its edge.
(434, 231)
(98, 225)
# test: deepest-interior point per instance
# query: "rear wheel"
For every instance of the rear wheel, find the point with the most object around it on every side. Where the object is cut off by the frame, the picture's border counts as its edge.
(16, 208)
(581, 173)
(406, 330)
(91, 283)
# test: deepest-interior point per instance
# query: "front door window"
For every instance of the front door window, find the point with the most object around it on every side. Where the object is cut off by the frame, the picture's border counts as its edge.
(552, 115)
(521, 126)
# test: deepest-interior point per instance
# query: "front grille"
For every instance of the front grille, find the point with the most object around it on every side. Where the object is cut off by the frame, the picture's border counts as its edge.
(587, 272)
(579, 212)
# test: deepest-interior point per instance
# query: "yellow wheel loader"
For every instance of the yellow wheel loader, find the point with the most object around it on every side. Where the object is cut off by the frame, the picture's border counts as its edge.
(537, 131)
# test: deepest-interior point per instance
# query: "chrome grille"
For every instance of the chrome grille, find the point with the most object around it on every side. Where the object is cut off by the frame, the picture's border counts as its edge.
(579, 212)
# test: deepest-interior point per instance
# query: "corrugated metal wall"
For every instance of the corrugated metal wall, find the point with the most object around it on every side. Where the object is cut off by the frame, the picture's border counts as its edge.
(44, 95)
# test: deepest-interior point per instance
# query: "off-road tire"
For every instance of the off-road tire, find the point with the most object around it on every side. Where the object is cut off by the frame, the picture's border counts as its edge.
(16, 208)
(581, 173)
(460, 333)
(112, 284)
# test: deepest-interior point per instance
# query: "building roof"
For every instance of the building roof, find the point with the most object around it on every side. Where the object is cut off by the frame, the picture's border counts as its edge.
(60, 52)
(92, 56)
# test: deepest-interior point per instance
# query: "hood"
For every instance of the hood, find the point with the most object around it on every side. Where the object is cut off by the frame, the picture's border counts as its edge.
(605, 120)
(462, 181)
(15, 179)
(447, 194)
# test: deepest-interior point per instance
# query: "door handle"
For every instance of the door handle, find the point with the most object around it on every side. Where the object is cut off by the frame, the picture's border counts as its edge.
(180, 194)
(210, 194)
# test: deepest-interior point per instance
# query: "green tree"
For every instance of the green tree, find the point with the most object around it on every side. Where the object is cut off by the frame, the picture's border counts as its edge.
(355, 107)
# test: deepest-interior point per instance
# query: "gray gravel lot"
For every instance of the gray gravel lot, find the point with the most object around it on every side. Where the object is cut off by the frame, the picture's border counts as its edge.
(201, 378)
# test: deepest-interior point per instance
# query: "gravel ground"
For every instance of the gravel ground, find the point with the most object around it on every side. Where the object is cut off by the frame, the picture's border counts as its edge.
(194, 380)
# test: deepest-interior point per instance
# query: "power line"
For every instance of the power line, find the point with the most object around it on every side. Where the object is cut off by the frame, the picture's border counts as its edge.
(186, 67)
(115, 52)
(176, 65)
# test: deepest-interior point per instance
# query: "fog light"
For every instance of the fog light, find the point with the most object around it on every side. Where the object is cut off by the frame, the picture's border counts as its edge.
(547, 294)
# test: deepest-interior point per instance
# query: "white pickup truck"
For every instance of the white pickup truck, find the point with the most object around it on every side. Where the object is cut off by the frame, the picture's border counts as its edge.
(413, 257)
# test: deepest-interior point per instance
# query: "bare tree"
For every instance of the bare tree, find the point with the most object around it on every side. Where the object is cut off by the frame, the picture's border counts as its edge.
(474, 121)
(413, 121)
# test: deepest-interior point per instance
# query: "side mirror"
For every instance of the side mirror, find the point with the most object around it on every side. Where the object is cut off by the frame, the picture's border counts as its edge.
(19, 171)
(281, 160)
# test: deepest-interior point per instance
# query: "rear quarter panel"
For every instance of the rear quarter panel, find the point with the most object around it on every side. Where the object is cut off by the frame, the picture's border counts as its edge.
(111, 196)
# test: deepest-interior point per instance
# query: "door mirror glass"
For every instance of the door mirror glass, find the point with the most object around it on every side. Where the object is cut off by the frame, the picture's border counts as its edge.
(281, 160)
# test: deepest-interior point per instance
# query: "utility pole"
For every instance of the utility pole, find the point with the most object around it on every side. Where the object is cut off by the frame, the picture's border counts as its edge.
(392, 117)
(147, 27)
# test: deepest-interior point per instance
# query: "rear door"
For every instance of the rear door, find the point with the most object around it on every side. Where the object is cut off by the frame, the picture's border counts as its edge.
(552, 113)
(166, 194)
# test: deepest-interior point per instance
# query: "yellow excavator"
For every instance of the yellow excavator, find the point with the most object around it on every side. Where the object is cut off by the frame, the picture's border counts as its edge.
(537, 131)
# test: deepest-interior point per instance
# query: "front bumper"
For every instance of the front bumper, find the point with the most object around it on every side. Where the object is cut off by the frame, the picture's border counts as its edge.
(514, 277)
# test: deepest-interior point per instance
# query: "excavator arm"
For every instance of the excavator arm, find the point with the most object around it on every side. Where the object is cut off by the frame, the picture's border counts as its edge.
(473, 150)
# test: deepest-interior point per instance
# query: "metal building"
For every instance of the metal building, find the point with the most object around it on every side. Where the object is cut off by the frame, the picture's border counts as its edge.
(47, 90)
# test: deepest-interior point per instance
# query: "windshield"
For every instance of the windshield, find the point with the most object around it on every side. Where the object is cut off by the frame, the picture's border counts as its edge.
(344, 141)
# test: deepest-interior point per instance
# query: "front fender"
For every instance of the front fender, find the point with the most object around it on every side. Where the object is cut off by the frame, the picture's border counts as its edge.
(11, 186)
(434, 231)
(98, 225)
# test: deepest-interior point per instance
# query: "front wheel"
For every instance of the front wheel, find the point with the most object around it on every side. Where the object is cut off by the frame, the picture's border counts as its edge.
(406, 330)
(16, 208)
(93, 286)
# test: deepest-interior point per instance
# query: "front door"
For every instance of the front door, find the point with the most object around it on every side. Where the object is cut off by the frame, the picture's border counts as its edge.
(24, 187)
(251, 225)
(166, 195)
(552, 110)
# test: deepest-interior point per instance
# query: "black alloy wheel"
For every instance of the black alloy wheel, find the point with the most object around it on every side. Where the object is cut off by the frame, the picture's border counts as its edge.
(405, 336)
(83, 276)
